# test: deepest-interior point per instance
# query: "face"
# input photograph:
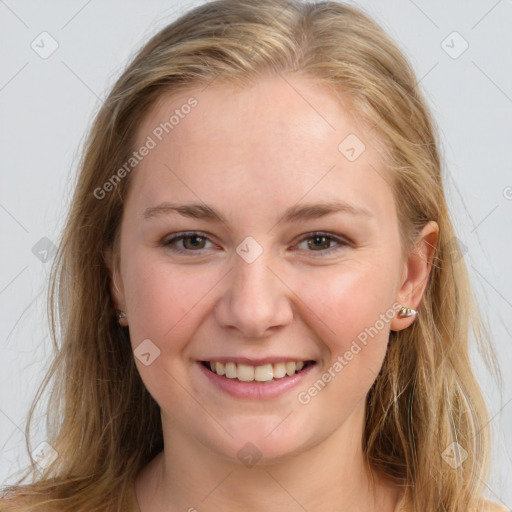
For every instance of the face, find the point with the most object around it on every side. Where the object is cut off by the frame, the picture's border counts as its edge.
(256, 276)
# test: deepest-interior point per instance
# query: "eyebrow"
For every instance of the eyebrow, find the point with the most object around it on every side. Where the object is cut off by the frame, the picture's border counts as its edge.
(293, 214)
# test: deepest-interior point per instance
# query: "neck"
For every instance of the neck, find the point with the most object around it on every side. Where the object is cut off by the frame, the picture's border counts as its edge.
(330, 475)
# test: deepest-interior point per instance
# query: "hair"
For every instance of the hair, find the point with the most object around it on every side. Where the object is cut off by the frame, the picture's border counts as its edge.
(103, 423)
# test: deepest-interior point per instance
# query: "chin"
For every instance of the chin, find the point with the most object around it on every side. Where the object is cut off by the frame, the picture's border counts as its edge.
(262, 441)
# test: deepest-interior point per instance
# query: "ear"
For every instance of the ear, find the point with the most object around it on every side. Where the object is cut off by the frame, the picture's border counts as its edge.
(116, 285)
(415, 274)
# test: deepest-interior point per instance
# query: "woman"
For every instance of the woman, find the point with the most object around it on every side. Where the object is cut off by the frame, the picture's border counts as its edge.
(260, 301)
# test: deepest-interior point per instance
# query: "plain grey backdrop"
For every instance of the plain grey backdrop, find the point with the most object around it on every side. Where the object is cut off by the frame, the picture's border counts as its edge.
(58, 62)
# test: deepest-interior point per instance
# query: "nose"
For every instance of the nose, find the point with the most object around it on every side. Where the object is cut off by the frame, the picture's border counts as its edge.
(256, 299)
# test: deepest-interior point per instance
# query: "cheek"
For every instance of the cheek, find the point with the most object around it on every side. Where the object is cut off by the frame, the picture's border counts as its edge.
(165, 305)
(351, 310)
(165, 299)
(349, 299)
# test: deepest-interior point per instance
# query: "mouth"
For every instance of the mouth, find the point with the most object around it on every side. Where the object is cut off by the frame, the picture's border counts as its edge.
(270, 372)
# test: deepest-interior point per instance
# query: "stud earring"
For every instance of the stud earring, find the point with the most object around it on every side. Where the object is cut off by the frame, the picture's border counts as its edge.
(406, 312)
(121, 318)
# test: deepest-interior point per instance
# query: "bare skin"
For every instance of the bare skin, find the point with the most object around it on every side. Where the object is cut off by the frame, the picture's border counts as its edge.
(250, 154)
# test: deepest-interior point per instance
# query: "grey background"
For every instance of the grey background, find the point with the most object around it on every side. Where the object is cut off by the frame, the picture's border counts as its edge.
(47, 105)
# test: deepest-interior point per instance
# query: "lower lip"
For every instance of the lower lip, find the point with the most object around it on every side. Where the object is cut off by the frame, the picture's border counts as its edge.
(256, 390)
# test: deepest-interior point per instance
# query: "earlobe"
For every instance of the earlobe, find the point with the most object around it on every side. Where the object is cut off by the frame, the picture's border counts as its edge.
(417, 272)
(116, 292)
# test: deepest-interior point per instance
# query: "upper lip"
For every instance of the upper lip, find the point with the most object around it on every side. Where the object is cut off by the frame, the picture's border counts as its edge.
(256, 361)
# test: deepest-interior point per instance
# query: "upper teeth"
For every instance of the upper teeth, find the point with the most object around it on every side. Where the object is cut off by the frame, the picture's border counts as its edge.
(263, 373)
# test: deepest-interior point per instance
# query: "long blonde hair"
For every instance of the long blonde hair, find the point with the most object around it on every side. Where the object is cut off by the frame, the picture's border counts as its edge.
(104, 425)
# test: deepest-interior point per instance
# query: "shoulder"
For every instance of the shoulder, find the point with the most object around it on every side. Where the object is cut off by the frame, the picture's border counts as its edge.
(486, 506)
(490, 506)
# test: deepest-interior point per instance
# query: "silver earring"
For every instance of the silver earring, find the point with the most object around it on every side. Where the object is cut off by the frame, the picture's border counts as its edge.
(121, 318)
(406, 312)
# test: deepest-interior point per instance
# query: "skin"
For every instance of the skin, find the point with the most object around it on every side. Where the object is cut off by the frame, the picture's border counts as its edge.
(250, 153)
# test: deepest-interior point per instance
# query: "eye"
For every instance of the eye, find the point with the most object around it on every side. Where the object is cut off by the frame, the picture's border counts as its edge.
(193, 241)
(321, 242)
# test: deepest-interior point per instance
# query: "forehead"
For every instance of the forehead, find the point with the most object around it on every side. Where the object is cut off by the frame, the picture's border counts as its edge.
(281, 139)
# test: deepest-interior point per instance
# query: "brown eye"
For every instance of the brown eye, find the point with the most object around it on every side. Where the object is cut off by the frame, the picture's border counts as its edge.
(190, 242)
(193, 242)
(319, 242)
(322, 243)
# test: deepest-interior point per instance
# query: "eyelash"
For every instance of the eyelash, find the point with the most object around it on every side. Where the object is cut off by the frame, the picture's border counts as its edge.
(190, 234)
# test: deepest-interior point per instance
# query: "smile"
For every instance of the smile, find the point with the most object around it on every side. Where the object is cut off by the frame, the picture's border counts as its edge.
(262, 373)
